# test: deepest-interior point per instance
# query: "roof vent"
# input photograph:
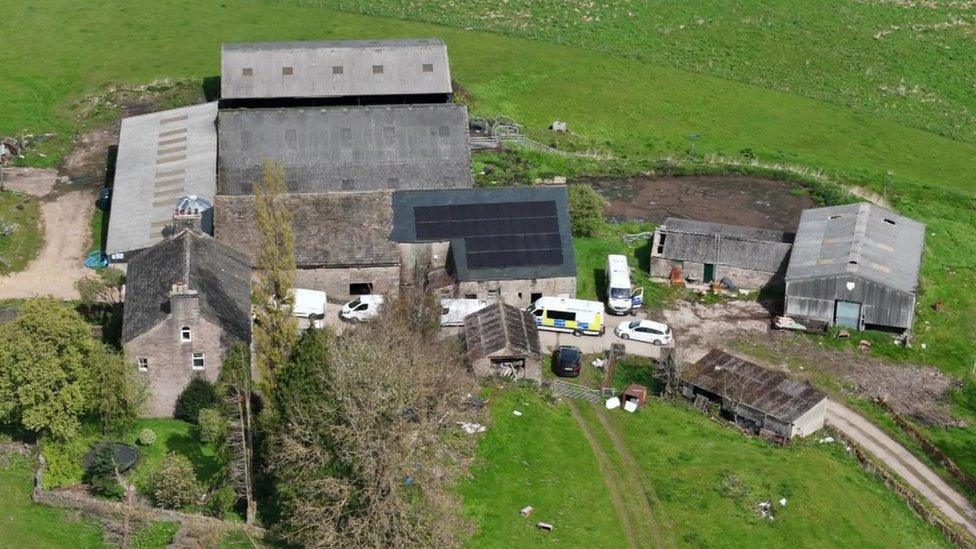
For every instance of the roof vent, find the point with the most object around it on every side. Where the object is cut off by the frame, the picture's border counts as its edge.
(835, 216)
(890, 221)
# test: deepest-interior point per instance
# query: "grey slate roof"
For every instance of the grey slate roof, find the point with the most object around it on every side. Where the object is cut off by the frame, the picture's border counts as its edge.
(331, 229)
(720, 244)
(314, 71)
(347, 148)
(162, 157)
(768, 391)
(501, 329)
(552, 229)
(220, 275)
(860, 239)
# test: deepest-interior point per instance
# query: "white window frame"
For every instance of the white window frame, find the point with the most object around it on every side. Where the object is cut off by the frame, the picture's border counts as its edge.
(186, 335)
(193, 361)
(143, 364)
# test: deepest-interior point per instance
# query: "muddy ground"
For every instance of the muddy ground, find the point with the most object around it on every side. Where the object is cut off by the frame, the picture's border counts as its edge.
(735, 200)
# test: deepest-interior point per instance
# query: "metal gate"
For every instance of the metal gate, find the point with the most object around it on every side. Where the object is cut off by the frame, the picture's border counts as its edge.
(848, 314)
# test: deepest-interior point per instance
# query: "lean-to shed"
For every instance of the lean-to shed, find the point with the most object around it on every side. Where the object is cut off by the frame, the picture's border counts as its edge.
(855, 265)
(756, 397)
(503, 340)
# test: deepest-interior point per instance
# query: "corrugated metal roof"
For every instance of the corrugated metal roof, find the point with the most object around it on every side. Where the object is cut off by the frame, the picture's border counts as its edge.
(495, 231)
(162, 157)
(501, 328)
(768, 391)
(720, 244)
(861, 239)
(220, 275)
(348, 148)
(334, 69)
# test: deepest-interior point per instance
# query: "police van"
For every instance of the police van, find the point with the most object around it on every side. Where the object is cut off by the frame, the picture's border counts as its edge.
(575, 316)
(620, 298)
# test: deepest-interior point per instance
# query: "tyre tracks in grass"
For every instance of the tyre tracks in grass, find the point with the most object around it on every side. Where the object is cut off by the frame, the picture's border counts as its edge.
(628, 491)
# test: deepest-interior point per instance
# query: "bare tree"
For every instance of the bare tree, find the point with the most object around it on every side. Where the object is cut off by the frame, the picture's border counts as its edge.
(673, 363)
(235, 382)
(275, 330)
(364, 452)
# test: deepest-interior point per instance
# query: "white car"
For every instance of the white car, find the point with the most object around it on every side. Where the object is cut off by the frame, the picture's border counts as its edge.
(645, 330)
(363, 308)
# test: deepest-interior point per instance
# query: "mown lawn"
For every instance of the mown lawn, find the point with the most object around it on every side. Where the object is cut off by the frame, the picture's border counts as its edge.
(24, 524)
(707, 477)
(21, 235)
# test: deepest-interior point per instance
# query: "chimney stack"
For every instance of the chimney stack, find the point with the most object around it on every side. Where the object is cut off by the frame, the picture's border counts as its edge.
(184, 305)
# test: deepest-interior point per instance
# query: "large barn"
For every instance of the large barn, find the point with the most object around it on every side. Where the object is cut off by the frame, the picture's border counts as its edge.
(757, 398)
(388, 71)
(856, 266)
(346, 148)
(750, 258)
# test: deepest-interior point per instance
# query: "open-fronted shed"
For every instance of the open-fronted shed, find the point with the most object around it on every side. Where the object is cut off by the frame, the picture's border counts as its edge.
(502, 339)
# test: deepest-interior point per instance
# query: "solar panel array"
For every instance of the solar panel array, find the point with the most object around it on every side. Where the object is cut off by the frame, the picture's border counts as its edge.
(496, 235)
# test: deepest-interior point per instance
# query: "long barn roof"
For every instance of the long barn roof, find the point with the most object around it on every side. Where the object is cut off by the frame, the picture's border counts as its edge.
(860, 239)
(162, 157)
(334, 69)
(744, 247)
(347, 148)
(768, 391)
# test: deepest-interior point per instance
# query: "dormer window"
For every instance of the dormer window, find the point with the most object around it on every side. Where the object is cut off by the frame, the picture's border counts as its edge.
(185, 335)
(198, 362)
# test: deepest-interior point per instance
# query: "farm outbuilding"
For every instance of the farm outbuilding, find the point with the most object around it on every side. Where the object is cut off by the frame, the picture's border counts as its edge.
(855, 266)
(398, 70)
(509, 244)
(162, 157)
(346, 148)
(765, 401)
(503, 340)
(750, 258)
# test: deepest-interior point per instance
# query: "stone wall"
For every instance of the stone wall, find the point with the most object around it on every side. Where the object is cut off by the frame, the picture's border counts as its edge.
(742, 278)
(335, 281)
(170, 360)
(514, 292)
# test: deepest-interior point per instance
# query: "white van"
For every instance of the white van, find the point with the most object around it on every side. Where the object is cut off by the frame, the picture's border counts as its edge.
(453, 311)
(308, 303)
(363, 308)
(620, 299)
(576, 316)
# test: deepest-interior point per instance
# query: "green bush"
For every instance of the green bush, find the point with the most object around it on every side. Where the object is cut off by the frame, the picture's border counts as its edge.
(64, 460)
(147, 437)
(101, 475)
(174, 484)
(585, 210)
(199, 394)
(222, 502)
(212, 425)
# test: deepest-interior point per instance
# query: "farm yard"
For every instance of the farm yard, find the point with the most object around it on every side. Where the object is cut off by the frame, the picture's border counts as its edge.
(743, 114)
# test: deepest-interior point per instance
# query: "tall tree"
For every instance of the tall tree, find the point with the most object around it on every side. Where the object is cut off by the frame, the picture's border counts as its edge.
(47, 382)
(275, 330)
(364, 448)
(235, 386)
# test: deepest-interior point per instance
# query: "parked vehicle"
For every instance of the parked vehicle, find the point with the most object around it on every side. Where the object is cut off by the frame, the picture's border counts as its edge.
(566, 361)
(576, 316)
(647, 331)
(453, 311)
(363, 308)
(308, 303)
(621, 299)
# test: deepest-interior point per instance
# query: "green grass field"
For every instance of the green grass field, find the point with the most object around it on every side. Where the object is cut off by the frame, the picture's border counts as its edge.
(21, 215)
(24, 524)
(707, 477)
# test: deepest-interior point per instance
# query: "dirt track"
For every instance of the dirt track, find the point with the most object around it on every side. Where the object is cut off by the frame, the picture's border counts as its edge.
(735, 200)
(66, 219)
(901, 461)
